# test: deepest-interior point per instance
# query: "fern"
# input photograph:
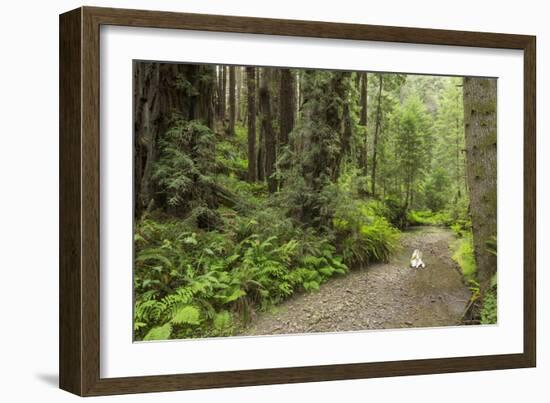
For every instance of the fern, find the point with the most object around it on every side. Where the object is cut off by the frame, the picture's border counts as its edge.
(159, 333)
(186, 315)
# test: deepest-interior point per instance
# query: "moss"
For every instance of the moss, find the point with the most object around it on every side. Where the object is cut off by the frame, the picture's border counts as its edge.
(490, 139)
(491, 197)
(483, 107)
(463, 254)
(478, 171)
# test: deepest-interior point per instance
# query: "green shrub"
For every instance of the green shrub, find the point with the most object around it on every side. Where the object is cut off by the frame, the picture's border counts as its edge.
(362, 238)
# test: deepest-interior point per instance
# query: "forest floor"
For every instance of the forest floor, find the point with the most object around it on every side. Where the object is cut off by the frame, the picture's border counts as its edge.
(383, 296)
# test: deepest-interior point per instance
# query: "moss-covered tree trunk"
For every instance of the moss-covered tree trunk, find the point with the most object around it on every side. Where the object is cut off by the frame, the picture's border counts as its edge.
(160, 90)
(146, 121)
(251, 89)
(480, 123)
(376, 134)
(204, 81)
(363, 99)
(268, 133)
(286, 105)
(232, 101)
(238, 93)
(223, 93)
(156, 96)
(364, 158)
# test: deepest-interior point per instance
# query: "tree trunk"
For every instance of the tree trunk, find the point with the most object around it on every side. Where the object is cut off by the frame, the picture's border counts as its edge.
(251, 88)
(146, 129)
(223, 97)
(158, 94)
(232, 100)
(238, 83)
(219, 95)
(260, 158)
(364, 82)
(376, 135)
(204, 79)
(270, 142)
(480, 123)
(156, 97)
(298, 95)
(458, 173)
(287, 105)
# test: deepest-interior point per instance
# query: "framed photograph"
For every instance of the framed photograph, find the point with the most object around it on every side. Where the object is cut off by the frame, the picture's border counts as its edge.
(248, 201)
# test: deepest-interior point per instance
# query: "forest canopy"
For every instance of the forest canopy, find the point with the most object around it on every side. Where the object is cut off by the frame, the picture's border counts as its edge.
(254, 184)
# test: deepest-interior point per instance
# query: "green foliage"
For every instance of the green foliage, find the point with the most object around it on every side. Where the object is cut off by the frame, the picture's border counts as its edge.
(196, 284)
(489, 307)
(427, 217)
(159, 333)
(436, 189)
(318, 148)
(361, 236)
(231, 158)
(463, 254)
(186, 315)
(390, 209)
(183, 172)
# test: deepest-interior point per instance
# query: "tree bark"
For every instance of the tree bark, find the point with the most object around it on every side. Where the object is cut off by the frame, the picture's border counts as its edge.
(287, 105)
(270, 142)
(204, 80)
(146, 129)
(480, 123)
(376, 135)
(156, 97)
(232, 100)
(251, 89)
(298, 94)
(223, 94)
(158, 94)
(238, 83)
(363, 99)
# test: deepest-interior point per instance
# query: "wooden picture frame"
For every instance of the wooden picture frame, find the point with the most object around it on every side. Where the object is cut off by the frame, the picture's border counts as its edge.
(79, 346)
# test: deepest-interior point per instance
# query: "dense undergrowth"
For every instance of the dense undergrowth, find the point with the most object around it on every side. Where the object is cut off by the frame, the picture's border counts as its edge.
(204, 269)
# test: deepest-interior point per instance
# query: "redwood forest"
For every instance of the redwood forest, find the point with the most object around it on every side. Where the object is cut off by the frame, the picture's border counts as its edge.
(275, 200)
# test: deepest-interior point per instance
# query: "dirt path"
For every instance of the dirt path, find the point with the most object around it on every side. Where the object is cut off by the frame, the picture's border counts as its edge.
(384, 296)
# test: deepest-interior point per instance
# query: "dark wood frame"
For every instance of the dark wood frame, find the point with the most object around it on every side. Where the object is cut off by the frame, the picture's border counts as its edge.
(79, 201)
